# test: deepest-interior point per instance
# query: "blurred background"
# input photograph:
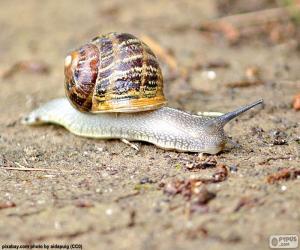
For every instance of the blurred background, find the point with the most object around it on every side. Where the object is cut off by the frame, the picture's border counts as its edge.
(215, 55)
(196, 41)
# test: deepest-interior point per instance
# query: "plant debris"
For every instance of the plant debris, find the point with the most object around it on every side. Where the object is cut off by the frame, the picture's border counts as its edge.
(191, 186)
(252, 78)
(193, 191)
(221, 173)
(200, 231)
(132, 219)
(246, 202)
(10, 165)
(29, 66)
(243, 84)
(202, 198)
(7, 204)
(84, 203)
(199, 204)
(126, 196)
(296, 102)
(283, 174)
(202, 162)
(216, 64)
(267, 160)
(143, 187)
(186, 188)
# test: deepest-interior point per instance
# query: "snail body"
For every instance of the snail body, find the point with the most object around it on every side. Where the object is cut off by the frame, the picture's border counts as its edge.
(167, 128)
(119, 77)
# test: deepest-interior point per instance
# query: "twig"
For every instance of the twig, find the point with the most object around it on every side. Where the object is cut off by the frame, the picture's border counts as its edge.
(274, 159)
(19, 165)
(34, 169)
(127, 196)
(243, 84)
(10, 165)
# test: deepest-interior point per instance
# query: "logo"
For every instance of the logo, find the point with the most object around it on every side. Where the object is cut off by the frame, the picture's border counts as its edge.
(284, 241)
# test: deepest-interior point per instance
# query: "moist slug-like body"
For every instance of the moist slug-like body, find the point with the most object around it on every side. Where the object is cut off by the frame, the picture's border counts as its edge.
(118, 76)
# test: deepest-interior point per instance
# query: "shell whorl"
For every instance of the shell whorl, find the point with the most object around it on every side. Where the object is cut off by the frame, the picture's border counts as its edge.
(114, 73)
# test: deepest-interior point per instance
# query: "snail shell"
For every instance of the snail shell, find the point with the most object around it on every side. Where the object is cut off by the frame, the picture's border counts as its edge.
(116, 72)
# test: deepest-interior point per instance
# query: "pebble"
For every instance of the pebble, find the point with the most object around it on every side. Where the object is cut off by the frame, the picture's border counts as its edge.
(109, 211)
(210, 74)
(283, 188)
(233, 168)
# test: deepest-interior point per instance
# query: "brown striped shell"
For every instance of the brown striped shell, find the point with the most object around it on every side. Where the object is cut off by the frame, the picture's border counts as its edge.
(114, 73)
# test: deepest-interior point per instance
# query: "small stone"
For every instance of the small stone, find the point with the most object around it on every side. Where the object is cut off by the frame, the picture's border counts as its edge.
(145, 180)
(57, 225)
(278, 137)
(100, 149)
(210, 74)
(233, 168)
(109, 211)
(283, 188)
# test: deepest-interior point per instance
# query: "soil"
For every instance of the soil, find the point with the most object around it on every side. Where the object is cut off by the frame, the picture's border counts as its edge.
(104, 194)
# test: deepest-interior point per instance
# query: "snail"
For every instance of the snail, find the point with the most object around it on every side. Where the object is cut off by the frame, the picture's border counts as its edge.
(114, 89)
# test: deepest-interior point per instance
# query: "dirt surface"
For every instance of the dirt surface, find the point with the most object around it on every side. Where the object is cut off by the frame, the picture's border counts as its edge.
(104, 194)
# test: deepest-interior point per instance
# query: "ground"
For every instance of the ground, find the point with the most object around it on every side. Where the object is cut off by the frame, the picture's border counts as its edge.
(104, 194)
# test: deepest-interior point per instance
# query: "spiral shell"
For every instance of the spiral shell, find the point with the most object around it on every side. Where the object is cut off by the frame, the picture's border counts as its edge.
(114, 73)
